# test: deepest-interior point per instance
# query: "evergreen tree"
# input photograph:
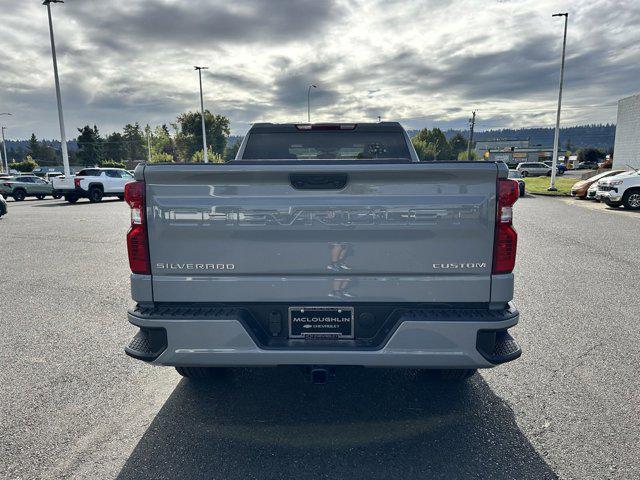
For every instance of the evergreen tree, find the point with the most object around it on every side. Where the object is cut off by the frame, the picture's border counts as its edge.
(114, 147)
(135, 144)
(34, 146)
(89, 146)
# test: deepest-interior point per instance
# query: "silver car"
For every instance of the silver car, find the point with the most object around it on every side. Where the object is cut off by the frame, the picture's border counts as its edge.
(533, 169)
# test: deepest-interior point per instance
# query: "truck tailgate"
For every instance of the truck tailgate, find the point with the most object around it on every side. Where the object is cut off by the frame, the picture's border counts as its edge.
(331, 232)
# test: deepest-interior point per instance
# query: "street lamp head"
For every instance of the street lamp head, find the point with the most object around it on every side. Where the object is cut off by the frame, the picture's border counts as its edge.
(200, 68)
(314, 86)
(47, 2)
(6, 113)
(560, 14)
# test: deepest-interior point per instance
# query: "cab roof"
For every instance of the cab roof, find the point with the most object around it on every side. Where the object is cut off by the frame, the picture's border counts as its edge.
(344, 126)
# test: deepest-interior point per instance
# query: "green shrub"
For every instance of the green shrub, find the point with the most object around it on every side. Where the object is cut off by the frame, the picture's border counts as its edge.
(198, 157)
(27, 165)
(462, 156)
(112, 164)
(161, 157)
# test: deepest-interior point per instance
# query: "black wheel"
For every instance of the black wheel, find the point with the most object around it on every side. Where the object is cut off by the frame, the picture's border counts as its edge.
(95, 194)
(56, 196)
(613, 205)
(71, 198)
(449, 374)
(40, 196)
(121, 198)
(631, 199)
(202, 373)
(19, 195)
(548, 173)
(524, 173)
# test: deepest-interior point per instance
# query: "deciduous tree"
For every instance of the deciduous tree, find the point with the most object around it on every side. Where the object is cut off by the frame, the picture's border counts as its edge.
(189, 137)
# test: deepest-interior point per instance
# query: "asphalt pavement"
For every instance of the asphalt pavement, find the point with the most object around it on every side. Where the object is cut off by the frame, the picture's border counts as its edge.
(72, 405)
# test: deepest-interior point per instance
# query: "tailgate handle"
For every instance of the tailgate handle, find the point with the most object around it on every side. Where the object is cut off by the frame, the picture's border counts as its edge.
(318, 181)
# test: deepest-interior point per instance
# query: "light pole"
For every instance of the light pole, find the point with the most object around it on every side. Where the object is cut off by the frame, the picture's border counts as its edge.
(556, 137)
(204, 131)
(309, 101)
(63, 138)
(4, 147)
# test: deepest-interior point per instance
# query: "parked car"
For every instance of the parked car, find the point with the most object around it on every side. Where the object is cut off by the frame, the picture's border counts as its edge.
(580, 188)
(24, 186)
(94, 184)
(515, 175)
(300, 279)
(607, 163)
(622, 190)
(587, 166)
(49, 176)
(592, 192)
(3, 206)
(533, 169)
(560, 167)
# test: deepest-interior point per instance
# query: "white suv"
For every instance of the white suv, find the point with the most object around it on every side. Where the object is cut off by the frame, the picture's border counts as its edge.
(623, 189)
(533, 169)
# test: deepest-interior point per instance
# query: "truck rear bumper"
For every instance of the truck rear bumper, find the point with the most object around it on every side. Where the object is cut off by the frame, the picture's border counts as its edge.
(421, 338)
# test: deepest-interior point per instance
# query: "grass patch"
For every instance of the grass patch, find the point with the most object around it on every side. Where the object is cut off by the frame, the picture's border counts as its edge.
(539, 185)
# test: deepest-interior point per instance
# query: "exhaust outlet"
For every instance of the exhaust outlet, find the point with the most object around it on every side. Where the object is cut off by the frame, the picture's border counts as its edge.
(319, 376)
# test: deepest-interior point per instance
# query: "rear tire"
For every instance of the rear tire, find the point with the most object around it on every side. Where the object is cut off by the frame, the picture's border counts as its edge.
(40, 196)
(56, 196)
(19, 195)
(71, 198)
(524, 174)
(449, 375)
(202, 373)
(95, 194)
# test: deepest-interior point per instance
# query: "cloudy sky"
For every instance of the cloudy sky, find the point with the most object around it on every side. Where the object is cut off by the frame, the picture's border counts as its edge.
(421, 62)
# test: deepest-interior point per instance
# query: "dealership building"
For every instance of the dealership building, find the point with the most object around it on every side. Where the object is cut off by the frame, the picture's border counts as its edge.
(513, 151)
(626, 150)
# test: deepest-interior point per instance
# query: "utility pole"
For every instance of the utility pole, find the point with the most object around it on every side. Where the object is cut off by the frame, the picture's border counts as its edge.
(556, 137)
(204, 130)
(309, 102)
(472, 124)
(63, 138)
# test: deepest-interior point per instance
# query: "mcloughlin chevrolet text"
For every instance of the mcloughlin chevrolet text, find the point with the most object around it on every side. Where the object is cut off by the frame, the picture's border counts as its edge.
(323, 245)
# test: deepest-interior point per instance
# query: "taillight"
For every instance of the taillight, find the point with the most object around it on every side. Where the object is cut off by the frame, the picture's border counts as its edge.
(6, 184)
(76, 182)
(137, 242)
(506, 238)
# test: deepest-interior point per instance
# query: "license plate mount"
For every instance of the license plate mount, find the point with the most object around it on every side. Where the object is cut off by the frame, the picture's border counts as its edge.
(321, 322)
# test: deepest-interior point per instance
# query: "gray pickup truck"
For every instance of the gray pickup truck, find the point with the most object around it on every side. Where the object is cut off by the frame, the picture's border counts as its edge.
(323, 245)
